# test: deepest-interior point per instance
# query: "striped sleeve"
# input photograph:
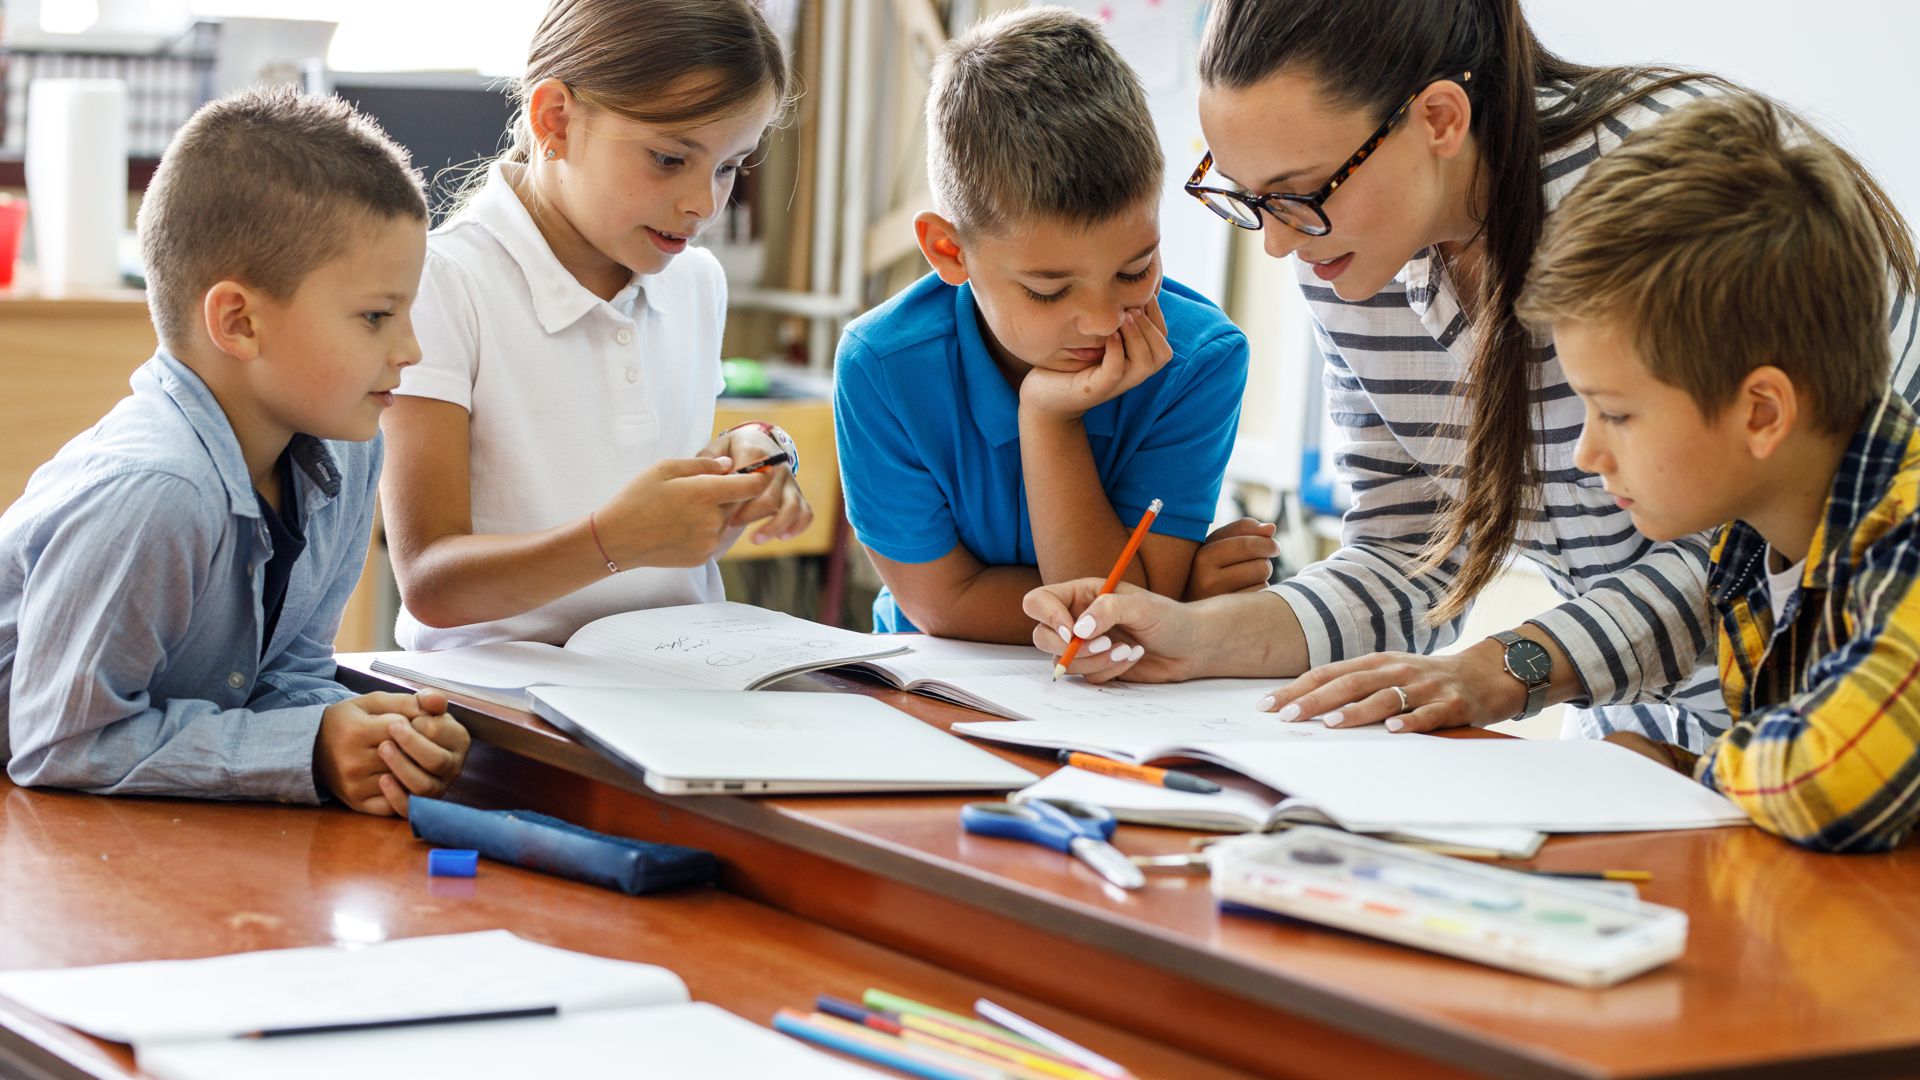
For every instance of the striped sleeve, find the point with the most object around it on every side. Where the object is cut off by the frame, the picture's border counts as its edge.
(1369, 595)
(1903, 327)
(1837, 766)
(1636, 634)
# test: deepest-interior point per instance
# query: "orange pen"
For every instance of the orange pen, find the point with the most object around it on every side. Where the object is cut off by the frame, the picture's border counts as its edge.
(1113, 579)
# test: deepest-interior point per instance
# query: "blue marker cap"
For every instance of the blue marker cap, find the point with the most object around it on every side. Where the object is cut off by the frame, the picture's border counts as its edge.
(452, 862)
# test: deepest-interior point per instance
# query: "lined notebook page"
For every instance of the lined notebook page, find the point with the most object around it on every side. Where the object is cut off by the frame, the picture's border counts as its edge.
(934, 659)
(1038, 697)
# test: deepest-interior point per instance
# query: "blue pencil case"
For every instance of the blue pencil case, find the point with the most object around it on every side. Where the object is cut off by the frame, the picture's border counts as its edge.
(547, 844)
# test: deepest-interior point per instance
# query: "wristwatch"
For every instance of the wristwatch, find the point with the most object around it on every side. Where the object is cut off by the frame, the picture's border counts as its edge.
(1530, 662)
(780, 438)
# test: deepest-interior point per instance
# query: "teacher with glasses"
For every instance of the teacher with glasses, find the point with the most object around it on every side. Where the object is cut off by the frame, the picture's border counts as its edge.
(1458, 428)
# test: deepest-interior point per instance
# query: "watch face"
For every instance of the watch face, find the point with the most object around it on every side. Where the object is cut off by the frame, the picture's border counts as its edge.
(1529, 661)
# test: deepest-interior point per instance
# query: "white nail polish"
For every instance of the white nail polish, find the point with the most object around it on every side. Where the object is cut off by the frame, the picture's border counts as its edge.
(1396, 724)
(1266, 704)
(1065, 634)
(1290, 713)
(1100, 644)
(1083, 628)
(1139, 651)
(1121, 654)
(1333, 719)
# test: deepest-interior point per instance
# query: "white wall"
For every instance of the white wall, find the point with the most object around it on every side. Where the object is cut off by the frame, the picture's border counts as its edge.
(1844, 62)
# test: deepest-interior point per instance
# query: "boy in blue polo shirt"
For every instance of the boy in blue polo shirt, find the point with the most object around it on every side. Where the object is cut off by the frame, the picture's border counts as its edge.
(1005, 421)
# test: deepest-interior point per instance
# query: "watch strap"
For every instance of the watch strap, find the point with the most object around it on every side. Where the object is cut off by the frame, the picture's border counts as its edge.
(1536, 689)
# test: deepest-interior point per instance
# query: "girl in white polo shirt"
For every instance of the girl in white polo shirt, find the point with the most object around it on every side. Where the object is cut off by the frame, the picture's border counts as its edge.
(549, 459)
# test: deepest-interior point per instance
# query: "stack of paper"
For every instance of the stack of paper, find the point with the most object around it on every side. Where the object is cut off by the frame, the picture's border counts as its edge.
(189, 1019)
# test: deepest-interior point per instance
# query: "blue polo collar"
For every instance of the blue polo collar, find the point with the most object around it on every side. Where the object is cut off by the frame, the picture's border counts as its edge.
(994, 405)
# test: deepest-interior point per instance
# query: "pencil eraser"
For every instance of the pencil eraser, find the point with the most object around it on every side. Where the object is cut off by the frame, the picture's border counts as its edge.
(452, 862)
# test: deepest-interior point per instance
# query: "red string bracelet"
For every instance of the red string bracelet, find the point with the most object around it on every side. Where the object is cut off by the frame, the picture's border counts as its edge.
(595, 529)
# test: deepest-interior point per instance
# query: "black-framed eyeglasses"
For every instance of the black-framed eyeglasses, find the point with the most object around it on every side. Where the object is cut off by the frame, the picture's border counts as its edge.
(1305, 213)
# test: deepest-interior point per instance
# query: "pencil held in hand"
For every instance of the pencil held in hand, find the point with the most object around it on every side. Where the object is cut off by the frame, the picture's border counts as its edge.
(1113, 579)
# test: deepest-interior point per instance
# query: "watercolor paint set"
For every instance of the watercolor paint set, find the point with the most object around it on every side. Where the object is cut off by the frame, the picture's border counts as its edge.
(1557, 929)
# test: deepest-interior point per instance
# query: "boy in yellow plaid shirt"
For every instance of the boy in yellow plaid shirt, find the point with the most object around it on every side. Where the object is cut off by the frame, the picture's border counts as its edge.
(1717, 291)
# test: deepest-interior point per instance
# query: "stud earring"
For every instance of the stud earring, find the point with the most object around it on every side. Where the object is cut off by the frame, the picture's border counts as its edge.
(548, 156)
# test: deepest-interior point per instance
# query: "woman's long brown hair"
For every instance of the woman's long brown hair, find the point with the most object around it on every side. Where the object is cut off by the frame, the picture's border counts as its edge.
(1371, 54)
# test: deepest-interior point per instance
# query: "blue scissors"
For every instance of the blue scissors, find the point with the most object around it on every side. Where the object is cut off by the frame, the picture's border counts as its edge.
(1066, 825)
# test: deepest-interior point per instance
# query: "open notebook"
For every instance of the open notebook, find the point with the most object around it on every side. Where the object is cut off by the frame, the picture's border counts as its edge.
(1392, 783)
(187, 1019)
(1236, 810)
(724, 646)
(1015, 681)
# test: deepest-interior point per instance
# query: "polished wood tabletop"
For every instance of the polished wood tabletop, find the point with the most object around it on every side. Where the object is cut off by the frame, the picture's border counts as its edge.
(1796, 963)
(90, 880)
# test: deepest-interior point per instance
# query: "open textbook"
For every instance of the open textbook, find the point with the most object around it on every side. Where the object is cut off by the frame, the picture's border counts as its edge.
(1234, 810)
(1016, 681)
(190, 1019)
(723, 646)
(1367, 780)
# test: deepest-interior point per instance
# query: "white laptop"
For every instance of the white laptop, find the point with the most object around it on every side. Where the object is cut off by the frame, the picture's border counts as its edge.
(729, 742)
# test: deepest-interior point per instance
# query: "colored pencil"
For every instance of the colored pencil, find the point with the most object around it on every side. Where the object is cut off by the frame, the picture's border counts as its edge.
(1052, 1040)
(882, 1001)
(1588, 875)
(1027, 1064)
(893, 1053)
(1113, 578)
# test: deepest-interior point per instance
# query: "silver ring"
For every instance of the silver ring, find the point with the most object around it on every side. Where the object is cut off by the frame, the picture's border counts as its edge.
(1403, 698)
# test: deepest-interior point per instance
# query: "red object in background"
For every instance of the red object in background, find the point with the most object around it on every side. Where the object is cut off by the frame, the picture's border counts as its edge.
(13, 221)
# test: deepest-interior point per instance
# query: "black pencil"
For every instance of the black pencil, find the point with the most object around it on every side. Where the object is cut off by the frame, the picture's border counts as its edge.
(406, 1021)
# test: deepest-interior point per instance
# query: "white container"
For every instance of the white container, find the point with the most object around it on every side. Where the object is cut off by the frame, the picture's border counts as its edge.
(77, 180)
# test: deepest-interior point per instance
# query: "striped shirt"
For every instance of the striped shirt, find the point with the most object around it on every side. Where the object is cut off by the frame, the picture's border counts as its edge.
(1634, 622)
(1825, 744)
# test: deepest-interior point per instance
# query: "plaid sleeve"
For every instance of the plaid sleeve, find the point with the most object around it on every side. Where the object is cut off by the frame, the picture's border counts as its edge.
(1837, 766)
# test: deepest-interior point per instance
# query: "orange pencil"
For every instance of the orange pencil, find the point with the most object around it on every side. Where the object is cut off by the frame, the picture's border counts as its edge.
(1113, 579)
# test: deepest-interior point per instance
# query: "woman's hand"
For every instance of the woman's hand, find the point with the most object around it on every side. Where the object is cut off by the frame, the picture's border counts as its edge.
(1130, 632)
(1470, 688)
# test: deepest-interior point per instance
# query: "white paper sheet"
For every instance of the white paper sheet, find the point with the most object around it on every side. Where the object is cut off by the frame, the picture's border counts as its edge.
(1158, 734)
(1041, 698)
(945, 659)
(173, 1000)
(1572, 785)
(696, 1040)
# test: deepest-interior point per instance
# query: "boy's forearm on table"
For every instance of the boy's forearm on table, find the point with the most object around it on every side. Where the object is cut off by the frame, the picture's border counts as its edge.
(983, 607)
(1076, 534)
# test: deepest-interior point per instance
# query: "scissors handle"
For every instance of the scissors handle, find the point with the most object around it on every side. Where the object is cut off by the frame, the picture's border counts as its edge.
(1015, 822)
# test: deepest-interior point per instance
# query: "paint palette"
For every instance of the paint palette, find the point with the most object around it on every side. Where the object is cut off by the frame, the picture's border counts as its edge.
(1537, 925)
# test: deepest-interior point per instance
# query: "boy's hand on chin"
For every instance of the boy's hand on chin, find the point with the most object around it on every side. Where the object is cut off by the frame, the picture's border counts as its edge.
(1135, 351)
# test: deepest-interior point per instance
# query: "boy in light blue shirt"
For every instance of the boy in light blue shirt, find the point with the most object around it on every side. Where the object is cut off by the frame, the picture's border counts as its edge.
(170, 583)
(1006, 420)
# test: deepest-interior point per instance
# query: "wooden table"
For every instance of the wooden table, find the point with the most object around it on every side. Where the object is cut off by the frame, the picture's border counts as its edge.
(1797, 964)
(88, 880)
